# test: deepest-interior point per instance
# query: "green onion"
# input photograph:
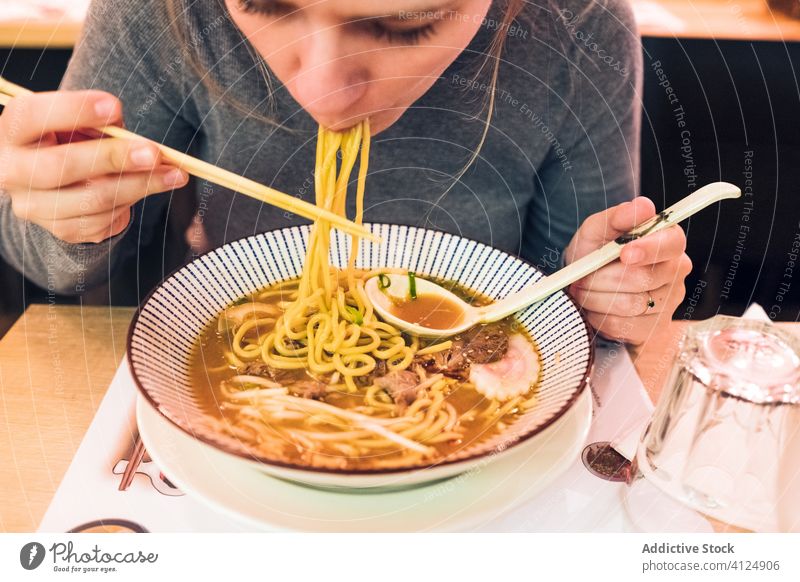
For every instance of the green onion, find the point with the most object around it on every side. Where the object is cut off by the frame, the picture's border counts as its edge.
(358, 319)
(383, 281)
(412, 285)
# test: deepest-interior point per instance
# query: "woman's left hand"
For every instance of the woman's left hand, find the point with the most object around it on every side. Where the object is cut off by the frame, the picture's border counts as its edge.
(627, 299)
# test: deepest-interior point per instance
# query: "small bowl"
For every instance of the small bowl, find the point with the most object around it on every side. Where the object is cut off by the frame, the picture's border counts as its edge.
(166, 327)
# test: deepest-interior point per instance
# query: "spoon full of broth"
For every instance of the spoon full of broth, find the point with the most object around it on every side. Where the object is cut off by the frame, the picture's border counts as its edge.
(426, 309)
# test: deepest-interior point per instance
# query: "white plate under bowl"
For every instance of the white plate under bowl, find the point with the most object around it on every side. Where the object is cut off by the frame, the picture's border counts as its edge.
(164, 333)
(491, 488)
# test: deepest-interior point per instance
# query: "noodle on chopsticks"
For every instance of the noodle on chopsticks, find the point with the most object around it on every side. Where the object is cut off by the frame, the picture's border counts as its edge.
(325, 325)
(330, 325)
(319, 378)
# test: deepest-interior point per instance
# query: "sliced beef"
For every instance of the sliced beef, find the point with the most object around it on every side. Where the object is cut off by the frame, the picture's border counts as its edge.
(255, 369)
(310, 389)
(401, 386)
(266, 371)
(381, 368)
(479, 345)
(451, 363)
(293, 343)
(485, 344)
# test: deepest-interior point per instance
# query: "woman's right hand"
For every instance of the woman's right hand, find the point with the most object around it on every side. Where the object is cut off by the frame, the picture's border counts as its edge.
(79, 188)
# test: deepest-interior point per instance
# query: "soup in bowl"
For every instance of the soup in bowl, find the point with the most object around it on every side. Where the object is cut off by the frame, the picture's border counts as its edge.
(330, 395)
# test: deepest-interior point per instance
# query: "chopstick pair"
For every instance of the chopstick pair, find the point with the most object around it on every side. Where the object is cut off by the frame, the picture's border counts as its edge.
(133, 464)
(220, 176)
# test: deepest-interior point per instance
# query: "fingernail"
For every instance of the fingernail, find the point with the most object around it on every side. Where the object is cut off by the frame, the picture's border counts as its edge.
(105, 108)
(143, 156)
(634, 256)
(175, 178)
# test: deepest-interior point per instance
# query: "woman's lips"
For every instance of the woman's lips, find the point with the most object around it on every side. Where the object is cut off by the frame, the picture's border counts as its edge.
(379, 120)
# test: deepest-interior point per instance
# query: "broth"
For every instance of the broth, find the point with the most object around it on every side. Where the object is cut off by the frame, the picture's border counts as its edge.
(430, 311)
(463, 413)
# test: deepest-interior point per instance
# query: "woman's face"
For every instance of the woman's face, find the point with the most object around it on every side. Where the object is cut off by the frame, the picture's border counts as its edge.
(345, 60)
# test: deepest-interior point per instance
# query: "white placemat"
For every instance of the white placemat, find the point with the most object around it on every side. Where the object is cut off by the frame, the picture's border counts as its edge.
(578, 501)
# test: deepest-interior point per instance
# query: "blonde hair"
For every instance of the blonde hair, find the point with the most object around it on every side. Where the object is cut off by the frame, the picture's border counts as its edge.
(495, 52)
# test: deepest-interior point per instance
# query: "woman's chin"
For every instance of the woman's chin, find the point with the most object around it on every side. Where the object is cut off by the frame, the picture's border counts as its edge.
(383, 120)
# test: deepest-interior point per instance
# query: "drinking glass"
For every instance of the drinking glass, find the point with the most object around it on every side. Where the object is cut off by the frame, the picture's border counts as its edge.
(724, 439)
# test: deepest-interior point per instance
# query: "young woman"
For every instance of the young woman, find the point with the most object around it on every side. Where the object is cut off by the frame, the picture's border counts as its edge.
(510, 122)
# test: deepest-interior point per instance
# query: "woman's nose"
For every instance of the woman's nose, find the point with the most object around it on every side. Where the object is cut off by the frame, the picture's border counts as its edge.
(329, 81)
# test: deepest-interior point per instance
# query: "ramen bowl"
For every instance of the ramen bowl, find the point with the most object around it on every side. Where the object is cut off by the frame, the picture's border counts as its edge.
(164, 334)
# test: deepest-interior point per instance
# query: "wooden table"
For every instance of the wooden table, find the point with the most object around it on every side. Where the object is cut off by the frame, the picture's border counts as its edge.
(748, 20)
(717, 19)
(39, 34)
(55, 366)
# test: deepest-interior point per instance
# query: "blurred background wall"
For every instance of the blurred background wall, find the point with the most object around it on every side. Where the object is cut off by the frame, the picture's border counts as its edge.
(740, 107)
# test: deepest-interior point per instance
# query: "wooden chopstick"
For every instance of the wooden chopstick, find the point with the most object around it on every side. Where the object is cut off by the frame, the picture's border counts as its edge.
(133, 464)
(226, 178)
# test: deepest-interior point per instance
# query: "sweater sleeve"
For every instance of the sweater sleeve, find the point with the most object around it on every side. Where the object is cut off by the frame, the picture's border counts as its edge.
(593, 163)
(127, 49)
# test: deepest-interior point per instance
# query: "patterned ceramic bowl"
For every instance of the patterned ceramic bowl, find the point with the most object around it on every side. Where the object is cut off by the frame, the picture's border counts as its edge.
(165, 330)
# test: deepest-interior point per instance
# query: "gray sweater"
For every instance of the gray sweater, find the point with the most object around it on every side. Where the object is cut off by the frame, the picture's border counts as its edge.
(563, 144)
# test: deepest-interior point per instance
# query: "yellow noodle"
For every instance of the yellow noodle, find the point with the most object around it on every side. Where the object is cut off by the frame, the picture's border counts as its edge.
(324, 323)
(249, 352)
(331, 326)
(432, 349)
(444, 437)
(231, 357)
(375, 398)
